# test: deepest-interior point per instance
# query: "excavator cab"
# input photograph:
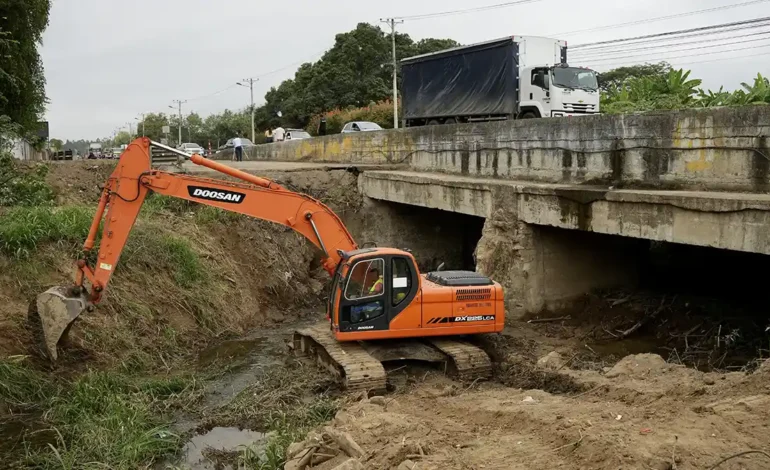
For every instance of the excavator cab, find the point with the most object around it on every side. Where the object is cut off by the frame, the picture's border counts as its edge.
(372, 290)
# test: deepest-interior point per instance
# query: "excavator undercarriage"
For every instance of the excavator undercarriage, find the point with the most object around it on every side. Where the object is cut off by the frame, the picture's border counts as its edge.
(358, 366)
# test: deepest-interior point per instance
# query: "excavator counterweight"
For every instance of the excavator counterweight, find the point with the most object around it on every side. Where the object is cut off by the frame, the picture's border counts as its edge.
(376, 293)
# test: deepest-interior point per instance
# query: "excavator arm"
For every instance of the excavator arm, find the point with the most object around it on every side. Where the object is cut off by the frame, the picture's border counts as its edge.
(123, 196)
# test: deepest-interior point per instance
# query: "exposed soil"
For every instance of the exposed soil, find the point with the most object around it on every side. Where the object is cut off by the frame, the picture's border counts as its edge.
(643, 413)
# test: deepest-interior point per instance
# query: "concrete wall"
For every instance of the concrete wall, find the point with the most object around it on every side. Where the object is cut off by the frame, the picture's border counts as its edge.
(724, 148)
(433, 236)
(721, 220)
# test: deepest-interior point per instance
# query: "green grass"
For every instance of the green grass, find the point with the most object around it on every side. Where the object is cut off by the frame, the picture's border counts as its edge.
(156, 204)
(208, 215)
(287, 427)
(22, 229)
(101, 419)
(287, 402)
(22, 388)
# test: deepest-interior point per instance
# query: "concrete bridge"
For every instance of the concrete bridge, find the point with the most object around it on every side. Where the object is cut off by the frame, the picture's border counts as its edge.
(696, 177)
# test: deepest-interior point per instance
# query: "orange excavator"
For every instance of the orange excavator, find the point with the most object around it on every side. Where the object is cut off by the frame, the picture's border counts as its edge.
(376, 293)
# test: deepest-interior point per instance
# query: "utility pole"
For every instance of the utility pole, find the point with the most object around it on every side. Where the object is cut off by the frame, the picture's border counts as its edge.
(251, 81)
(179, 105)
(137, 131)
(392, 22)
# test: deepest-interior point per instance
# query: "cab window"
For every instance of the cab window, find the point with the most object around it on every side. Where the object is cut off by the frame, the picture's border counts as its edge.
(402, 280)
(366, 280)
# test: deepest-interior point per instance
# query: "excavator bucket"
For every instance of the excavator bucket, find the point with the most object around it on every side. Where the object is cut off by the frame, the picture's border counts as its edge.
(57, 308)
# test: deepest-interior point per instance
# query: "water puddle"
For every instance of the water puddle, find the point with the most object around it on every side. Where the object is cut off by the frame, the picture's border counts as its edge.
(219, 448)
(230, 351)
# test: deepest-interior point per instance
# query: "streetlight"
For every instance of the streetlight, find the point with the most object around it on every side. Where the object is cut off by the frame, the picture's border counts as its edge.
(251, 88)
(137, 130)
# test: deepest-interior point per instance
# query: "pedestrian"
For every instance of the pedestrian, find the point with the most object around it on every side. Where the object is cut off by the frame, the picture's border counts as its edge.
(269, 135)
(279, 134)
(238, 146)
(322, 126)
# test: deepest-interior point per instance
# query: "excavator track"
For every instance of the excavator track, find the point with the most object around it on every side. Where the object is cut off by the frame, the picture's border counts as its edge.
(349, 361)
(468, 362)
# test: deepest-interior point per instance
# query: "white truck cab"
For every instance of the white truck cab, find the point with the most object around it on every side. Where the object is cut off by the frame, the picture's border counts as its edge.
(548, 86)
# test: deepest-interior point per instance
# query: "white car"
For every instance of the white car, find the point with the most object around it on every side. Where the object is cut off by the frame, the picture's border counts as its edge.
(360, 126)
(297, 134)
(191, 149)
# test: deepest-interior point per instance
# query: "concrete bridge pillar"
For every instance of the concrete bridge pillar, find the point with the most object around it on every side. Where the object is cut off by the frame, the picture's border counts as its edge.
(546, 268)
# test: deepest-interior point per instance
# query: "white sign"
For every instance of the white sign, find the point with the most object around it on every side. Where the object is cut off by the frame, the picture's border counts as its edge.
(400, 282)
(166, 129)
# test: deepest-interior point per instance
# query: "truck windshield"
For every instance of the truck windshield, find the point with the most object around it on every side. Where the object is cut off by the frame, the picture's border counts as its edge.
(569, 77)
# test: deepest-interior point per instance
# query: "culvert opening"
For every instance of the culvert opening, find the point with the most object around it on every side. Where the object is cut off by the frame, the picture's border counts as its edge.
(434, 236)
(698, 306)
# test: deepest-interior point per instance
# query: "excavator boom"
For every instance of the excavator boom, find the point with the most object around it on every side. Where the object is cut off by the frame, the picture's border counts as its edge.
(122, 199)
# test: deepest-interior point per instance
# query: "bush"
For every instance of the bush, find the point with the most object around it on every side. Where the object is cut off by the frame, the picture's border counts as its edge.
(381, 113)
(23, 228)
(23, 186)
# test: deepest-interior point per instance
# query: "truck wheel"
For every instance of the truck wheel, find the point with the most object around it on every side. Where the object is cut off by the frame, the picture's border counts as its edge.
(433, 122)
(528, 115)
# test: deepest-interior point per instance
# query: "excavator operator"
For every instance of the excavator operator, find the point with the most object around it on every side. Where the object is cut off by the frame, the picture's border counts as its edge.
(377, 287)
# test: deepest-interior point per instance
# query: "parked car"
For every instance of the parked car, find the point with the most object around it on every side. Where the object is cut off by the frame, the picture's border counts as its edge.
(190, 148)
(360, 126)
(297, 134)
(229, 144)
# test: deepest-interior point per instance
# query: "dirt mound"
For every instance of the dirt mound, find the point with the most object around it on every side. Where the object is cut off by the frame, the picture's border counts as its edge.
(78, 182)
(639, 365)
(619, 422)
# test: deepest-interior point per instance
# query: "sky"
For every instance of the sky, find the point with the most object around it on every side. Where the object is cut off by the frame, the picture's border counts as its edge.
(108, 61)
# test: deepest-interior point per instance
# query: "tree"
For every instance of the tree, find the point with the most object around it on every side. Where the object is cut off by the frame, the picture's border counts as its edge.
(757, 93)
(56, 144)
(22, 82)
(153, 125)
(355, 72)
(122, 138)
(616, 78)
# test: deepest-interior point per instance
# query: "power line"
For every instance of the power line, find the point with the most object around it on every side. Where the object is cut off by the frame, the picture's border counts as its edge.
(212, 94)
(673, 33)
(464, 11)
(623, 50)
(659, 59)
(219, 92)
(281, 69)
(661, 18)
(609, 58)
(619, 44)
(721, 59)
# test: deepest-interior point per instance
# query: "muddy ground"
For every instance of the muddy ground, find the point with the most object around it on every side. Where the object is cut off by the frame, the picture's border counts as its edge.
(577, 389)
(546, 407)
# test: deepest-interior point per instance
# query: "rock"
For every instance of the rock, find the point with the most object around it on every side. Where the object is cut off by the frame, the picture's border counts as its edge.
(529, 400)
(407, 465)
(709, 380)
(764, 368)
(292, 465)
(294, 449)
(638, 364)
(345, 441)
(350, 464)
(378, 400)
(551, 361)
(343, 417)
